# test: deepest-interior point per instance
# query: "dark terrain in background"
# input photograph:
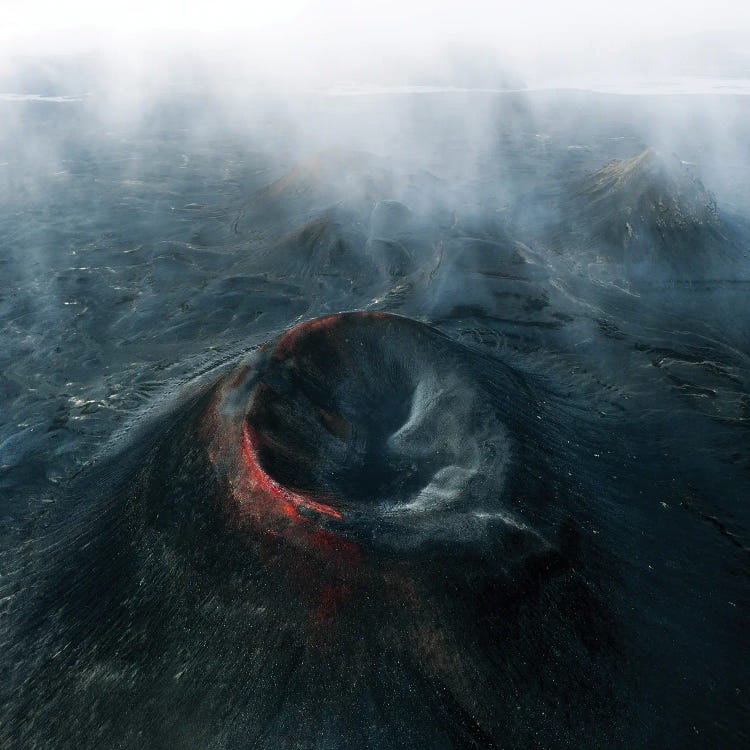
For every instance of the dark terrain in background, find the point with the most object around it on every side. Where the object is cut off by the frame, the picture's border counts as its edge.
(597, 245)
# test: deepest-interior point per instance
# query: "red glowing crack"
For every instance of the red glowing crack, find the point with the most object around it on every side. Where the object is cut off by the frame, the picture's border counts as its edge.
(287, 501)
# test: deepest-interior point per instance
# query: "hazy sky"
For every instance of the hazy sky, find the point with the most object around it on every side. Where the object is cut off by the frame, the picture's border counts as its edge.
(530, 20)
(335, 34)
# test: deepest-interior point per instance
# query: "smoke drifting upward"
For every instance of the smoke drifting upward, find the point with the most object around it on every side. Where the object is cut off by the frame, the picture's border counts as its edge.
(205, 67)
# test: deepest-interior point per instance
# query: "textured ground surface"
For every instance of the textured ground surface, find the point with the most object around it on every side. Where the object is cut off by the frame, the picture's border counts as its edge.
(520, 521)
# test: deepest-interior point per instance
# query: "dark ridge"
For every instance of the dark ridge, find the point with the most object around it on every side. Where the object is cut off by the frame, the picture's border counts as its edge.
(323, 246)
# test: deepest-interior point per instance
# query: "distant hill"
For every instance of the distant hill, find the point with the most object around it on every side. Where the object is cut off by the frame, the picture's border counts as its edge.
(651, 212)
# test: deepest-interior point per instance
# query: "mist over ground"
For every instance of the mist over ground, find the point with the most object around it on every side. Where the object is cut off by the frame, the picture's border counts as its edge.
(374, 376)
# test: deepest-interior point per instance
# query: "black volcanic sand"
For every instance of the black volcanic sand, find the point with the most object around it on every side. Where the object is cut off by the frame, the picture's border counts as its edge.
(500, 504)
